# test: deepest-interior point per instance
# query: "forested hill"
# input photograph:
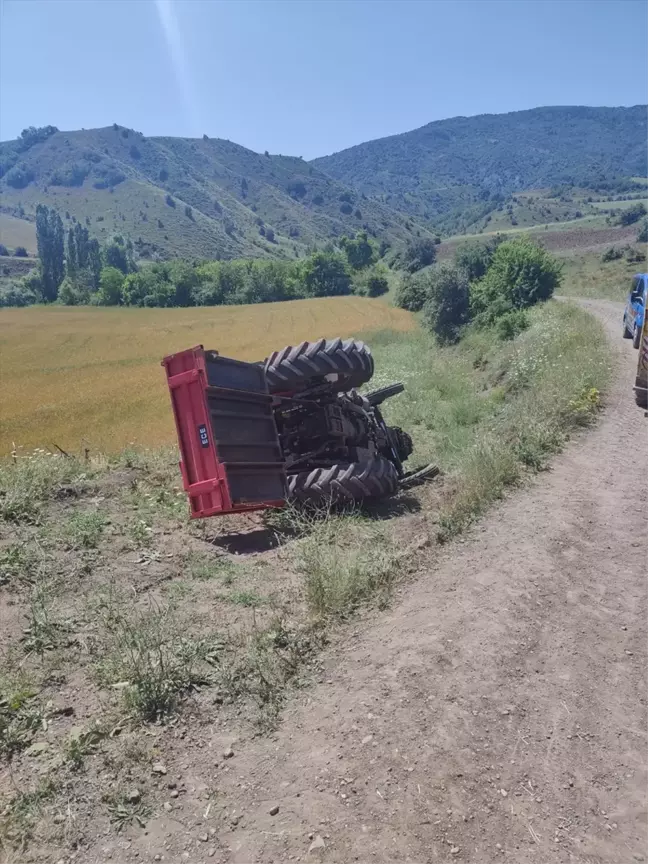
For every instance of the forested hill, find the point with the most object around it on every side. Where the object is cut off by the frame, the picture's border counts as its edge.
(185, 197)
(450, 165)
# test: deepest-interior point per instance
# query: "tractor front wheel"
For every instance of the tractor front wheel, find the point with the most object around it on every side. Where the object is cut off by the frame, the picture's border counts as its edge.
(344, 484)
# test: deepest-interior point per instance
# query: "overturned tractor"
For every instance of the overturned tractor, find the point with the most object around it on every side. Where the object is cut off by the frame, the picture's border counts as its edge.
(293, 427)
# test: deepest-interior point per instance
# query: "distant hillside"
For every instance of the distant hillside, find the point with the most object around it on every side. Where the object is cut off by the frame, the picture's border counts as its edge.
(451, 173)
(187, 197)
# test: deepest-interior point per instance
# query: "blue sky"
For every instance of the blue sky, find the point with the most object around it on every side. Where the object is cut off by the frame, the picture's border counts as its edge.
(308, 78)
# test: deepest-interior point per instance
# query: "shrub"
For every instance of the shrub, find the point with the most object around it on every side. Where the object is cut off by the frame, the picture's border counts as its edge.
(447, 308)
(419, 254)
(318, 199)
(135, 152)
(412, 292)
(372, 282)
(270, 235)
(188, 212)
(346, 208)
(72, 294)
(20, 252)
(3, 249)
(70, 175)
(611, 254)
(170, 201)
(634, 256)
(521, 274)
(20, 176)
(642, 234)
(511, 324)
(296, 189)
(631, 214)
(17, 294)
(163, 175)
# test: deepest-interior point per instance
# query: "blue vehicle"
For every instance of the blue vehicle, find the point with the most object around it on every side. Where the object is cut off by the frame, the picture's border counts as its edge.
(635, 309)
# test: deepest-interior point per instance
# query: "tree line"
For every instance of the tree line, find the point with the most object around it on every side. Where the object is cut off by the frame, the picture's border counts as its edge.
(489, 284)
(75, 268)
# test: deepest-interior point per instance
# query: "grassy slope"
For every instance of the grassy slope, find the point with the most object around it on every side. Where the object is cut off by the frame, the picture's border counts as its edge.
(232, 192)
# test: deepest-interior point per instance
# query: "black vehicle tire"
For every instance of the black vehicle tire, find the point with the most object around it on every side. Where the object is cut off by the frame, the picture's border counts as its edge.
(344, 484)
(636, 336)
(401, 441)
(627, 334)
(295, 368)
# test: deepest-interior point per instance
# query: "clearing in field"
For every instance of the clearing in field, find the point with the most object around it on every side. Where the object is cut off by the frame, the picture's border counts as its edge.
(90, 377)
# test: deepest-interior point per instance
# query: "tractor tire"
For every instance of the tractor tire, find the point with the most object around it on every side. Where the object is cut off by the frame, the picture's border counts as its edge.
(294, 368)
(636, 337)
(344, 484)
(401, 441)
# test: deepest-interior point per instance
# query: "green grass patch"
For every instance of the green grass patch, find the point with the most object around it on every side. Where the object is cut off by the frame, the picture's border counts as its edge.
(346, 560)
(488, 410)
(586, 275)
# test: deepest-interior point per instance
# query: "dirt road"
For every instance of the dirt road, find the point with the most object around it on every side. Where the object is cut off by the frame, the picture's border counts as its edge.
(498, 712)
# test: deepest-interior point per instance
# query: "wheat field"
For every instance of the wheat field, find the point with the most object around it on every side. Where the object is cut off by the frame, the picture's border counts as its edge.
(89, 377)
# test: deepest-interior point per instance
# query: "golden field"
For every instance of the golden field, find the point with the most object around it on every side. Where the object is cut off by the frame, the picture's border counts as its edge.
(81, 377)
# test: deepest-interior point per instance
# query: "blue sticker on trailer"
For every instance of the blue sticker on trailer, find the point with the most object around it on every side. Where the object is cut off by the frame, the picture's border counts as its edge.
(202, 434)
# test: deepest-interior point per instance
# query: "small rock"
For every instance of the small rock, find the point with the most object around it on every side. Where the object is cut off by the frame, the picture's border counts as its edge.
(211, 852)
(37, 748)
(134, 795)
(227, 754)
(318, 843)
(159, 768)
(274, 810)
(174, 793)
(498, 845)
(236, 819)
(367, 739)
(168, 806)
(503, 793)
(455, 850)
(157, 857)
(203, 838)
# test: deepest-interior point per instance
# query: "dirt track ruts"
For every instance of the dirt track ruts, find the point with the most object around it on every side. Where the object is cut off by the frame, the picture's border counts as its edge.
(505, 693)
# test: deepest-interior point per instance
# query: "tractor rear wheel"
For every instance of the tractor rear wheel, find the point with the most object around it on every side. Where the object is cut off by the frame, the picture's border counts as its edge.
(347, 362)
(344, 484)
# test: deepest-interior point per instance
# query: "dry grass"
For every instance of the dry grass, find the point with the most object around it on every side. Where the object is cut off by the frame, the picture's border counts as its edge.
(91, 377)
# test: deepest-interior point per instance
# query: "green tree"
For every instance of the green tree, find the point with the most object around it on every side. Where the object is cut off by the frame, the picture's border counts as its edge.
(360, 252)
(412, 292)
(371, 282)
(326, 275)
(71, 261)
(184, 278)
(118, 253)
(447, 308)
(95, 262)
(474, 258)
(521, 274)
(418, 254)
(51, 250)
(110, 286)
(631, 214)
